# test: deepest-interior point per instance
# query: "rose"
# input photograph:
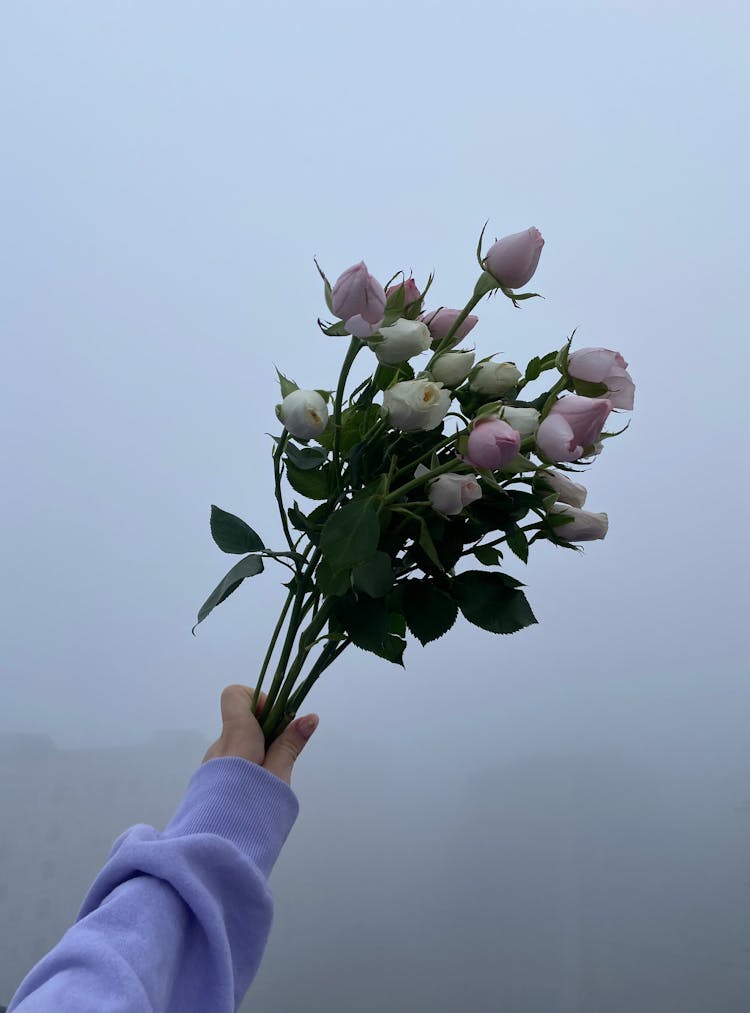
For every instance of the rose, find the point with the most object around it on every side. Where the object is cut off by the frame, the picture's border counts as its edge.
(568, 491)
(449, 494)
(513, 259)
(495, 378)
(411, 292)
(573, 424)
(585, 526)
(401, 341)
(441, 321)
(359, 300)
(602, 365)
(492, 444)
(304, 413)
(416, 404)
(452, 368)
(524, 420)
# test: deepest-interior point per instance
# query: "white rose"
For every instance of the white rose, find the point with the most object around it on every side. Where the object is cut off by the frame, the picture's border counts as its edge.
(449, 494)
(524, 420)
(585, 526)
(567, 491)
(452, 368)
(402, 341)
(495, 378)
(304, 413)
(416, 404)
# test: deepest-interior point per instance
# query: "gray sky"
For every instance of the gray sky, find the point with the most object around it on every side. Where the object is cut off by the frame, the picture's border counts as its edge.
(169, 172)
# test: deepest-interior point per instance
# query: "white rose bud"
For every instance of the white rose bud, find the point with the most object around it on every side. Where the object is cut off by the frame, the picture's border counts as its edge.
(416, 404)
(449, 494)
(402, 341)
(304, 413)
(585, 526)
(495, 378)
(524, 420)
(567, 491)
(452, 368)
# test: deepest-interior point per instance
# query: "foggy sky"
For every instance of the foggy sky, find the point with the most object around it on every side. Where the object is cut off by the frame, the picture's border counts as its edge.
(168, 173)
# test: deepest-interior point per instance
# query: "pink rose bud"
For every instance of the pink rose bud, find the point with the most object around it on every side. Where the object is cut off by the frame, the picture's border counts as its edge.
(573, 424)
(359, 300)
(411, 292)
(492, 444)
(585, 526)
(449, 494)
(568, 491)
(441, 321)
(602, 365)
(513, 260)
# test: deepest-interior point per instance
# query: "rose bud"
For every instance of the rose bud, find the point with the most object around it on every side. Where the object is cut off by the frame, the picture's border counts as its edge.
(602, 365)
(401, 341)
(452, 368)
(585, 526)
(492, 444)
(411, 292)
(359, 300)
(304, 413)
(524, 420)
(441, 321)
(495, 378)
(573, 424)
(416, 404)
(567, 491)
(513, 260)
(449, 494)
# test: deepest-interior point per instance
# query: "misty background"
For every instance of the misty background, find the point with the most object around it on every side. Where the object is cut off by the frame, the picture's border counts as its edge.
(558, 820)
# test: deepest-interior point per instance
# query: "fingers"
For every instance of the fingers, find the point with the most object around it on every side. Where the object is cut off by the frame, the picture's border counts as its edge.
(282, 753)
(236, 702)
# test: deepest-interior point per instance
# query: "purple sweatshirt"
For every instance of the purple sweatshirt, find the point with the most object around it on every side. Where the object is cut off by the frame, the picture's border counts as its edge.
(175, 922)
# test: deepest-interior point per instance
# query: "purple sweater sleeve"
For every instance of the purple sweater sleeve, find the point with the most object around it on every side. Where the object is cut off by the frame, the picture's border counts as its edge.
(175, 922)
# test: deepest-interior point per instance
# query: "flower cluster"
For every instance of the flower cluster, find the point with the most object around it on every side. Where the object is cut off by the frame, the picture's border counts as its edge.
(401, 501)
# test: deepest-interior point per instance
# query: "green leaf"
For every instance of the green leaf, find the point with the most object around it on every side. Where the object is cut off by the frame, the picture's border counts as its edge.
(517, 542)
(306, 459)
(392, 649)
(374, 576)
(385, 376)
(232, 534)
(337, 330)
(429, 611)
(364, 619)
(486, 600)
(350, 535)
(488, 555)
(247, 567)
(312, 484)
(287, 386)
(534, 369)
(332, 582)
(586, 389)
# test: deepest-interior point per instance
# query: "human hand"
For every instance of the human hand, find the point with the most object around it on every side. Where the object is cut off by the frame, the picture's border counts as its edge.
(241, 735)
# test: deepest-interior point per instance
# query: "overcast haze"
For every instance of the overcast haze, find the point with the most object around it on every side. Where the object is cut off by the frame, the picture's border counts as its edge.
(552, 821)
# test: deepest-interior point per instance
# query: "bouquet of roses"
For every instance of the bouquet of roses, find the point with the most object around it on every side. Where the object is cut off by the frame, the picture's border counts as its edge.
(402, 501)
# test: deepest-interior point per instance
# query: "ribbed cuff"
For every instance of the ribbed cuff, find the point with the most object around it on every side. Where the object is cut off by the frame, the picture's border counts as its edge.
(241, 802)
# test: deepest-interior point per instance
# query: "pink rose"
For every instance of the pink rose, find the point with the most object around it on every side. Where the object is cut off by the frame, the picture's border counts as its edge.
(573, 424)
(449, 494)
(359, 300)
(441, 321)
(492, 444)
(411, 292)
(602, 365)
(513, 260)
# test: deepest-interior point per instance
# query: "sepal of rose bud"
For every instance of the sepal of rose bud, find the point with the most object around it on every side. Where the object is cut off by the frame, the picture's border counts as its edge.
(567, 491)
(452, 368)
(573, 424)
(495, 378)
(449, 494)
(584, 527)
(513, 260)
(402, 341)
(416, 405)
(358, 298)
(304, 413)
(492, 444)
(441, 321)
(591, 366)
(524, 420)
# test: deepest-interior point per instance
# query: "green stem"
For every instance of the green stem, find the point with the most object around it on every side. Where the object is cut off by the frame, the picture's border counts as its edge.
(451, 465)
(269, 652)
(328, 655)
(445, 344)
(355, 346)
(409, 468)
(277, 487)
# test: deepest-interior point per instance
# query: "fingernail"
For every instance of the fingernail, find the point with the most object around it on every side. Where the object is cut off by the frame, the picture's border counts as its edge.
(308, 725)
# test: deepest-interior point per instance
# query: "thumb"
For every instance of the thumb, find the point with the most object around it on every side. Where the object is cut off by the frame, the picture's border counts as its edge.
(283, 751)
